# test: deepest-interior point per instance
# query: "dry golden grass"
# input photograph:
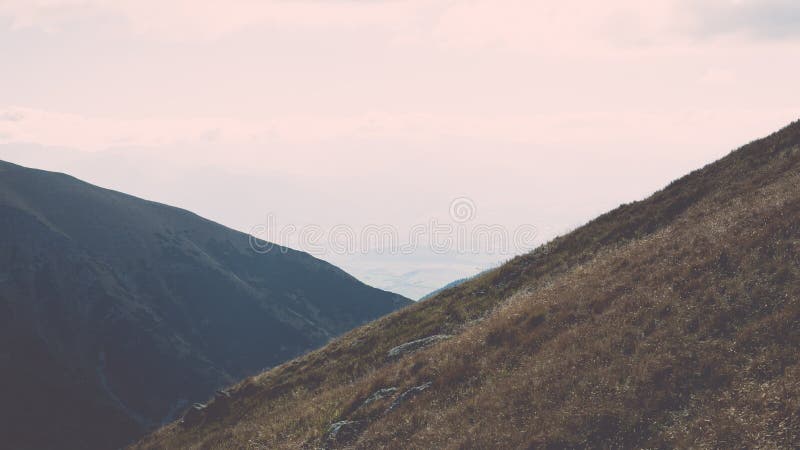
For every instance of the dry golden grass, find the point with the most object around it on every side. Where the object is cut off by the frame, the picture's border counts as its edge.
(672, 322)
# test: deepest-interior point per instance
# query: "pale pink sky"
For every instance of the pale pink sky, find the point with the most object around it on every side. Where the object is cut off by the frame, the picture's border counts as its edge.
(358, 112)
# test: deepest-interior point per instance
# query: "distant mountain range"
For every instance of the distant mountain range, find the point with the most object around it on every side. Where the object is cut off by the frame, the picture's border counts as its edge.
(671, 322)
(449, 285)
(117, 313)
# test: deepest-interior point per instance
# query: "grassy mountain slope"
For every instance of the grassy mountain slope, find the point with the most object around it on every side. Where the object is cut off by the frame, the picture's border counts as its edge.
(669, 322)
(116, 312)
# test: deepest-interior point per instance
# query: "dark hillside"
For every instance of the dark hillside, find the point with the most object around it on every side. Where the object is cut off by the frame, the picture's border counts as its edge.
(117, 313)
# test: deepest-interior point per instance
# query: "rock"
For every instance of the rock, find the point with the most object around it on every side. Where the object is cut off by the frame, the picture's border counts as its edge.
(215, 409)
(378, 395)
(341, 431)
(194, 415)
(410, 347)
(414, 391)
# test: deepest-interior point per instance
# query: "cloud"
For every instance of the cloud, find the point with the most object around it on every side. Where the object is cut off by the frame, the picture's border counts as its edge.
(208, 19)
(11, 116)
(546, 26)
(576, 26)
(294, 142)
(515, 25)
(771, 19)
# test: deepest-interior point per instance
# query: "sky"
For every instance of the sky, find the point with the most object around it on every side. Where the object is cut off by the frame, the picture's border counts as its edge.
(330, 117)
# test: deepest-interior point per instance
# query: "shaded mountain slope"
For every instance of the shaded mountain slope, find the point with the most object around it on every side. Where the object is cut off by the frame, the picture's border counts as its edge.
(670, 322)
(116, 312)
